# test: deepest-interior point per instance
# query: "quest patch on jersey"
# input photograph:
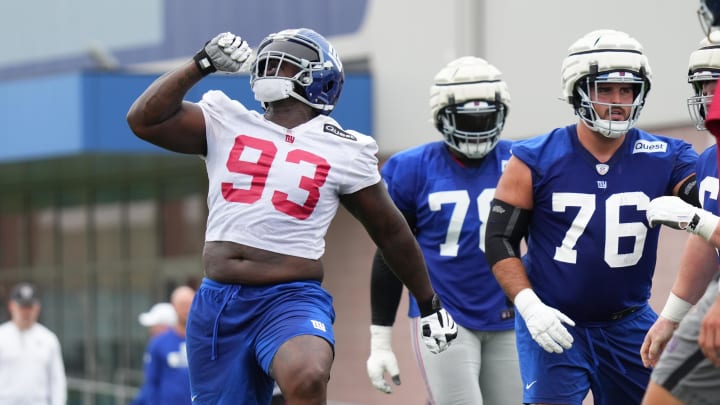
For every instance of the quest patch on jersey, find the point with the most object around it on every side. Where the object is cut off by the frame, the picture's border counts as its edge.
(643, 146)
(338, 132)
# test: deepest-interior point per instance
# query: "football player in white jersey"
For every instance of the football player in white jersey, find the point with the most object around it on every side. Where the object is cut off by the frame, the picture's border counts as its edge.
(444, 189)
(578, 196)
(687, 371)
(275, 182)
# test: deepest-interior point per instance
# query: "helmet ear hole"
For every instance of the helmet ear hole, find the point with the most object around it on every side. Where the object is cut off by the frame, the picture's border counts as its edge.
(575, 100)
(438, 123)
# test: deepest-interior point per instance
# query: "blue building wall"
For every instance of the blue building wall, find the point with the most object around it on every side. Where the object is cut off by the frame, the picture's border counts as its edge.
(85, 112)
(54, 101)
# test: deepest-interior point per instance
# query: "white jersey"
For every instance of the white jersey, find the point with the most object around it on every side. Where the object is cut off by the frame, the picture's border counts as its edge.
(31, 366)
(275, 188)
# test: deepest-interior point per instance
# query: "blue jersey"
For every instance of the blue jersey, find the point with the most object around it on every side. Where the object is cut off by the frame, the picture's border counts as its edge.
(707, 178)
(450, 203)
(590, 251)
(167, 379)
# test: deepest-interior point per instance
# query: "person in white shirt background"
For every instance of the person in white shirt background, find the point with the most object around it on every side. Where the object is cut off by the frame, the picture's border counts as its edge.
(32, 371)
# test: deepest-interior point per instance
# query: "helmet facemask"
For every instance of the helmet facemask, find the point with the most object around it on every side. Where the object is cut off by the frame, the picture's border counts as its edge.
(585, 104)
(268, 66)
(469, 103)
(699, 103)
(605, 56)
(319, 78)
(472, 128)
(703, 73)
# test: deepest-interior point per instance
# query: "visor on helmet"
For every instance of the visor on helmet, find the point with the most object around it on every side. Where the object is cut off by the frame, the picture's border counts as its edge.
(475, 116)
(620, 76)
(296, 49)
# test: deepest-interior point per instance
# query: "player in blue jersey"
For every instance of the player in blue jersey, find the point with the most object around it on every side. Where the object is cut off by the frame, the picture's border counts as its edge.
(275, 182)
(444, 189)
(688, 372)
(578, 195)
(166, 365)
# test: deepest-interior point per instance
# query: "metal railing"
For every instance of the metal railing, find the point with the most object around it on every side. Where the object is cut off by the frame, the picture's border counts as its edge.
(89, 392)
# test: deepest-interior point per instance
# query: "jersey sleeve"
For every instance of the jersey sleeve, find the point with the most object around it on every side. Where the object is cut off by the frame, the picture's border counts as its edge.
(363, 170)
(685, 161)
(153, 361)
(529, 150)
(400, 179)
(216, 105)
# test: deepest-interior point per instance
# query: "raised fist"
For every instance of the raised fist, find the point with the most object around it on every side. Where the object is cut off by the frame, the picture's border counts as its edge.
(226, 52)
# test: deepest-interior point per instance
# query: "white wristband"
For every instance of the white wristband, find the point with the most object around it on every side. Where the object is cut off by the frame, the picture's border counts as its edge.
(525, 299)
(705, 224)
(675, 308)
(380, 337)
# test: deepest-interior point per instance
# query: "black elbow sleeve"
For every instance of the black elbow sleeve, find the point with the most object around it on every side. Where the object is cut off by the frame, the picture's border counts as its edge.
(506, 226)
(689, 192)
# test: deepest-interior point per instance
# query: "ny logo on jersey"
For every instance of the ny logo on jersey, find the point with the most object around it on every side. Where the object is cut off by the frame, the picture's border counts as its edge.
(289, 138)
(178, 359)
(602, 184)
(318, 325)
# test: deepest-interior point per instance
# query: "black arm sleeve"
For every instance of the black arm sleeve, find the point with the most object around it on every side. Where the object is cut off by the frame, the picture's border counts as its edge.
(507, 225)
(688, 191)
(385, 292)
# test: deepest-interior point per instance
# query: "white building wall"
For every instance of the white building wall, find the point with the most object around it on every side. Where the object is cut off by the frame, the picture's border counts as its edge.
(408, 41)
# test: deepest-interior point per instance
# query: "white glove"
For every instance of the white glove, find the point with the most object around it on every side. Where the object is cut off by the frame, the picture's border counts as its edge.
(226, 52)
(382, 359)
(677, 214)
(438, 330)
(543, 322)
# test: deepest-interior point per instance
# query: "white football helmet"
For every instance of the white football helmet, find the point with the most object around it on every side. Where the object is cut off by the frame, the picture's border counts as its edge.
(704, 66)
(605, 56)
(469, 103)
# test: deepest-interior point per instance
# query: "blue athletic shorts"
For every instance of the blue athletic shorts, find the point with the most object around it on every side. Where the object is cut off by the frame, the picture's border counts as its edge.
(605, 358)
(234, 331)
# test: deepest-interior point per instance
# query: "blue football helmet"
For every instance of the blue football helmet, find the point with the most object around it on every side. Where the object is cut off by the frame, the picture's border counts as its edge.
(709, 15)
(320, 78)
